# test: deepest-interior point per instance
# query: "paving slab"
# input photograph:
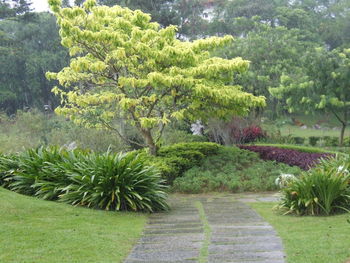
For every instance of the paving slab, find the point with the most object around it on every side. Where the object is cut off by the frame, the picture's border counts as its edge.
(209, 229)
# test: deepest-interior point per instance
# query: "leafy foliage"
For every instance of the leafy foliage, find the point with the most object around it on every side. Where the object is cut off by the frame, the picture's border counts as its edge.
(232, 170)
(298, 140)
(291, 157)
(105, 181)
(28, 173)
(313, 140)
(320, 85)
(330, 141)
(125, 66)
(252, 133)
(29, 48)
(323, 190)
(114, 182)
(11, 9)
(174, 160)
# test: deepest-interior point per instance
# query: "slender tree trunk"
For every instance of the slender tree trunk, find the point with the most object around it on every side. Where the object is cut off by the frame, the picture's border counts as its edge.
(342, 132)
(344, 122)
(344, 125)
(147, 135)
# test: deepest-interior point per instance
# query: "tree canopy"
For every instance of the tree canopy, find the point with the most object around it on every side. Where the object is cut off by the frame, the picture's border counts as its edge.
(124, 65)
(27, 50)
(322, 84)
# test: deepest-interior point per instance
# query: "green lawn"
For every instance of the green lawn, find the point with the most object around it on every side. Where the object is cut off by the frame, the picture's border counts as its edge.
(297, 131)
(33, 230)
(310, 239)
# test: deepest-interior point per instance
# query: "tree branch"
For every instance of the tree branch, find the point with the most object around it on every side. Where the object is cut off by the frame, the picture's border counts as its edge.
(107, 125)
(337, 116)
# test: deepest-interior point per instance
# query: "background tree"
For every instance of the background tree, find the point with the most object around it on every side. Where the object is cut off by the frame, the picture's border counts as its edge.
(274, 36)
(127, 66)
(14, 8)
(322, 84)
(191, 17)
(28, 48)
(11, 62)
(272, 51)
(160, 10)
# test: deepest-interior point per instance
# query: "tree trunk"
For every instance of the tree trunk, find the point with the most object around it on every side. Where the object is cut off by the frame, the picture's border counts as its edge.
(344, 123)
(146, 134)
(342, 132)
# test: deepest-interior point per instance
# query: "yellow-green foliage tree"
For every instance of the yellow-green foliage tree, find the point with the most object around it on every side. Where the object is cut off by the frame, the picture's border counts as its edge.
(124, 65)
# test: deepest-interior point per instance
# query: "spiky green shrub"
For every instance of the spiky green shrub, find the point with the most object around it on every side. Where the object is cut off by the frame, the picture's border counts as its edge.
(105, 181)
(323, 190)
(114, 182)
(8, 164)
(28, 173)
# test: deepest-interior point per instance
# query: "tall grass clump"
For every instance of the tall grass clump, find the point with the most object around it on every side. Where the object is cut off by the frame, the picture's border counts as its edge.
(114, 182)
(106, 181)
(323, 190)
(30, 173)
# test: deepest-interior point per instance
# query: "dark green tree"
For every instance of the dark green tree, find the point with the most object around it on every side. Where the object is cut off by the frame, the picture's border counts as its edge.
(28, 48)
(322, 84)
(14, 8)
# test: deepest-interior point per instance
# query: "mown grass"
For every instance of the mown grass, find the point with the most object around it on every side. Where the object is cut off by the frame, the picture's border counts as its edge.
(297, 131)
(310, 239)
(33, 230)
(308, 149)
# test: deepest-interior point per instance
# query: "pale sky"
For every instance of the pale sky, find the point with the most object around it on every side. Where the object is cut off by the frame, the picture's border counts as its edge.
(40, 5)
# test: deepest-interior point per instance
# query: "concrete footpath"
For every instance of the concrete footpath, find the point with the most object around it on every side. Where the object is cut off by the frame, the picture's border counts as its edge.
(209, 229)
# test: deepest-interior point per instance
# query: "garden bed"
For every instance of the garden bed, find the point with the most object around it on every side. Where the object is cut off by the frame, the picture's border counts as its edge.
(303, 160)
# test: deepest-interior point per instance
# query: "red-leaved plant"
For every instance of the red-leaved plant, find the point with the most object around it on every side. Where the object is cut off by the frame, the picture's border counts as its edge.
(291, 157)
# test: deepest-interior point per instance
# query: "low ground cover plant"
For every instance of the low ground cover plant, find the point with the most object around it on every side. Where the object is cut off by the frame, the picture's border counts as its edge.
(172, 161)
(107, 181)
(300, 148)
(234, 170)
(323, 190)
(291, 157)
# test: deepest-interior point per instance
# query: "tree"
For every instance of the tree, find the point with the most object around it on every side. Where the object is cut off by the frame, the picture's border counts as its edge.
(271, 51)
(13, 8)
(158, 9)
(322, 84)
(273, 34)
(238, 17)
(27, 50)
(11, 63)
(125, 65)
(188, 16)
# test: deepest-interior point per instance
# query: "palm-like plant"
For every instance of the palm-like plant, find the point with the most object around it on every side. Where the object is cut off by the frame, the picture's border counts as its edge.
(114, 182)
(324, 189)
(105, 181)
